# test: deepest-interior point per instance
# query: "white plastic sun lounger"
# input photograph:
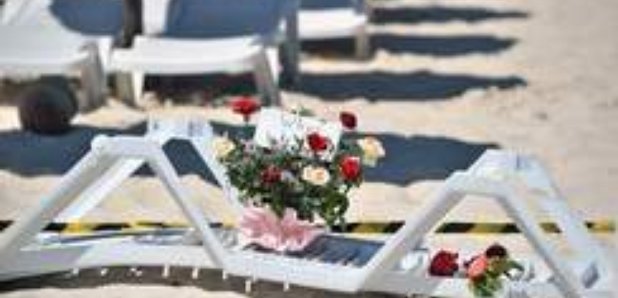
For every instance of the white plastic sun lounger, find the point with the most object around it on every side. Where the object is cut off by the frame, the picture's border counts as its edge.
(60, 37)
(205, 36)
(332, 262)
(348, 20)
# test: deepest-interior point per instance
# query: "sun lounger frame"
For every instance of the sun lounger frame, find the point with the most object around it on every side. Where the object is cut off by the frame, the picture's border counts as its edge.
(19, 256)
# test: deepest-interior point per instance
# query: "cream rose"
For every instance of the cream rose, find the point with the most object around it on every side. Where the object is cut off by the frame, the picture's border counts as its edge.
(316, 175)
(223, 146)
(372, 150)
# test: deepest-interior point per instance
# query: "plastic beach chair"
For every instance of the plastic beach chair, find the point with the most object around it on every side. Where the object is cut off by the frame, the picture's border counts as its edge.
(205, 36)
(60, 37)
(333, 262)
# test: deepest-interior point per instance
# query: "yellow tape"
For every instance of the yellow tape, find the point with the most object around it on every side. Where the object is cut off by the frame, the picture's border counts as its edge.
(372, 228)
(599, 226)
(78, 228)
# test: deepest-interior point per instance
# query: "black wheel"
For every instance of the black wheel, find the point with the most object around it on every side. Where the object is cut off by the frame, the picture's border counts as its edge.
(47, 107)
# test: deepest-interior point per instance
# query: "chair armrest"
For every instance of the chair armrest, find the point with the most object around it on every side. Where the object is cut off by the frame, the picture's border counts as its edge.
(104, 47)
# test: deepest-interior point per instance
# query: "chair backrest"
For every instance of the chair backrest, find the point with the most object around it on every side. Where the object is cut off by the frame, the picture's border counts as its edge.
(86, 17)
(213, 18)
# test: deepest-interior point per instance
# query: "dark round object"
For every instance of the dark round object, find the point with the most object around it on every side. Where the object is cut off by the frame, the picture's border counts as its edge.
(47, 107)
(62, 84)
(496, 251)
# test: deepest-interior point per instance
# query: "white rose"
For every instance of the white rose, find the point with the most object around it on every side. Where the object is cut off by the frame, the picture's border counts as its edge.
(222, 147)
(316, 175)
(372, 150)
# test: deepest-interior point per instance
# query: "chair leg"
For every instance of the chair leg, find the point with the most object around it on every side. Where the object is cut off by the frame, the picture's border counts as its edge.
(94, 83)
(137, 83)
(273, 54)
(290, 50)
(362, 46)
(265, 81)
(289, 57)
(130, 87)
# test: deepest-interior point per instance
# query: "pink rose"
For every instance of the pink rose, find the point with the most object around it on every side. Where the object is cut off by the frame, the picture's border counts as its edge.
(477, 267)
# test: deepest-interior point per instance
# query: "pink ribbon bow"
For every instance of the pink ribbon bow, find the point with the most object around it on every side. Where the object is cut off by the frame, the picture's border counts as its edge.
(263, 227)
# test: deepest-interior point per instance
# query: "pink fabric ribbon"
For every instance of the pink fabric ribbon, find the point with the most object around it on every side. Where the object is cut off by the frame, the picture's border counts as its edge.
(263, 227)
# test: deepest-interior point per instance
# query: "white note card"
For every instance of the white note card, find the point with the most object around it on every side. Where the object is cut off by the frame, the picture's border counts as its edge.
(285, 128)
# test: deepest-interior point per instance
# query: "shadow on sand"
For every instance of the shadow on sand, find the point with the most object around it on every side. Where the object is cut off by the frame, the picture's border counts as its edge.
(324, 4)
(438, 46)
(442, 46)
(410, 86)
(209, 280)
(409, 159)
(441, 14)
(419, 158)
(29, 154)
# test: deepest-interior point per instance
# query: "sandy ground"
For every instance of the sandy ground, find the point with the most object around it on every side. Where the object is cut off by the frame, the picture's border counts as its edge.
(448, 80)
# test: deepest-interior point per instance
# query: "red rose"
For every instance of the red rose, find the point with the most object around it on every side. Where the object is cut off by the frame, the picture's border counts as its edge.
(348, 120)
(245, 106)
(350, 167)
(444, 263)
(271, 174)
(317, 142)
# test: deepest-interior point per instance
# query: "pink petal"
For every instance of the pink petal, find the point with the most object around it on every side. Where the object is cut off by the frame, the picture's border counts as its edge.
(478, 266)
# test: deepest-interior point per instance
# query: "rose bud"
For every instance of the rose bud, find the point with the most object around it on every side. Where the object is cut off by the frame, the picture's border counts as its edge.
(317, 142)
(444, 263)
(348, 120)
(271, 174)
(350, 168)
(477, 267)
(496, 251)
(245, 106)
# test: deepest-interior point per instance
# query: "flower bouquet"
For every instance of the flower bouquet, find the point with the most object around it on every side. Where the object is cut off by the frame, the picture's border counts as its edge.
(485, 272)
(311, 173)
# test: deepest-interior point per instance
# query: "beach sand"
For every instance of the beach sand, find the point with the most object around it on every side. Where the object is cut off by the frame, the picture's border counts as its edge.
(448, 80)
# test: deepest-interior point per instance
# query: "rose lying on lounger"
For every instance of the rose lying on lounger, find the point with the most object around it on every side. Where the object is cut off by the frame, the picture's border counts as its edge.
(263, 227)
(485, 272)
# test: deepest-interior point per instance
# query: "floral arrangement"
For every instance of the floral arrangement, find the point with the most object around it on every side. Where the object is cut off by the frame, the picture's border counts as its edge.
(485, 272)
(313, 177)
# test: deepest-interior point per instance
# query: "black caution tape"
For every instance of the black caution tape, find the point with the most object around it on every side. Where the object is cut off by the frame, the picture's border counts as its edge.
(599, 226)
